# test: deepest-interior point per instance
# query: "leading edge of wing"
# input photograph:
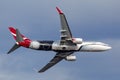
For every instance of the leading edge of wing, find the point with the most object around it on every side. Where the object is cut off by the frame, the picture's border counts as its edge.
(58, 57)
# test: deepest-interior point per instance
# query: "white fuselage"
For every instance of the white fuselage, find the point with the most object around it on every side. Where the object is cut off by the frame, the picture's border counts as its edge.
(55, 46)
(94, 46)
(85, 46)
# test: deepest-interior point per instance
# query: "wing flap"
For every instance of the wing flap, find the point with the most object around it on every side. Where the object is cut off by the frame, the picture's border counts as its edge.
(65, 30)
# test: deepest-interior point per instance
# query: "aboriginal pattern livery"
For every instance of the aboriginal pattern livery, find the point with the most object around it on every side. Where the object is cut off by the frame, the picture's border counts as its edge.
(41, 45)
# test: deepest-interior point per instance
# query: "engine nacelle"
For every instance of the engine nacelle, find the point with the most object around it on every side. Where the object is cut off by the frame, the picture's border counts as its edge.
(77, 40)
(70, 58)
(34, 45)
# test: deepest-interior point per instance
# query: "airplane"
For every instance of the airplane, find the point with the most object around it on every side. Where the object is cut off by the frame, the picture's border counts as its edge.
(64, 48)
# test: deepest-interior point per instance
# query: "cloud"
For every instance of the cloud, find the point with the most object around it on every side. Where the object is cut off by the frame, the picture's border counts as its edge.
(88, 19)
(88, 66)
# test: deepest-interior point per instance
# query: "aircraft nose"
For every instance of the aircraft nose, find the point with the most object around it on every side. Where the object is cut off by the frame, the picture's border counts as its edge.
(108, 47)
(105, 47)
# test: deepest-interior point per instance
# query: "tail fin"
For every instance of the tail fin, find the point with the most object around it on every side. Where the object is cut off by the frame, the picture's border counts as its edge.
(21, 40)
(17, 35)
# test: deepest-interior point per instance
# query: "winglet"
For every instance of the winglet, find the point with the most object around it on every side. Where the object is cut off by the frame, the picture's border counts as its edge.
(59, 11)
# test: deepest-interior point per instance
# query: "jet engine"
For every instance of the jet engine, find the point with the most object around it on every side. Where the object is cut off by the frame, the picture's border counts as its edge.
(77, 40)
(70, 58)
(34, 45)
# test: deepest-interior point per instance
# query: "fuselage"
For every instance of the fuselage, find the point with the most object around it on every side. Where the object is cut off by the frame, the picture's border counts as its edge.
(55, 46)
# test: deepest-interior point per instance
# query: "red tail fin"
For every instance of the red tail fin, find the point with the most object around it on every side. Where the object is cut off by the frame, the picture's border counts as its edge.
(13, 32)
(21, 40)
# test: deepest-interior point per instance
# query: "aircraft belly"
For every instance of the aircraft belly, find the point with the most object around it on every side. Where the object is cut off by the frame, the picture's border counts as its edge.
(58, 47)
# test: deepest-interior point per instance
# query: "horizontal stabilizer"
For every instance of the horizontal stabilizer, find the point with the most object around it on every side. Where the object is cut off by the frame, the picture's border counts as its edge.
(13, 48)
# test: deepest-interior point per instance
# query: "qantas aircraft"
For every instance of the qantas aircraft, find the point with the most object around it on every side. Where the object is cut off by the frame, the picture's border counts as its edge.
(64, 48)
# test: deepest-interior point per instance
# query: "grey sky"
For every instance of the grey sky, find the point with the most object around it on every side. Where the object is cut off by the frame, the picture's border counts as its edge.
(38, 19)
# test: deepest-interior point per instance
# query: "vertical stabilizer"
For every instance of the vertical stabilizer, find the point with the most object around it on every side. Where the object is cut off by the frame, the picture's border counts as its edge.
(19, 37)
(21, 40)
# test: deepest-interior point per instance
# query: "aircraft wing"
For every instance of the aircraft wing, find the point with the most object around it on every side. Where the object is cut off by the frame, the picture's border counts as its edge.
(58, 57)
(66, 35)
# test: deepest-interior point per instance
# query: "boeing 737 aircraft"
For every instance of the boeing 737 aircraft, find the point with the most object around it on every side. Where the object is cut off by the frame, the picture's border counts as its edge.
(64, 48)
